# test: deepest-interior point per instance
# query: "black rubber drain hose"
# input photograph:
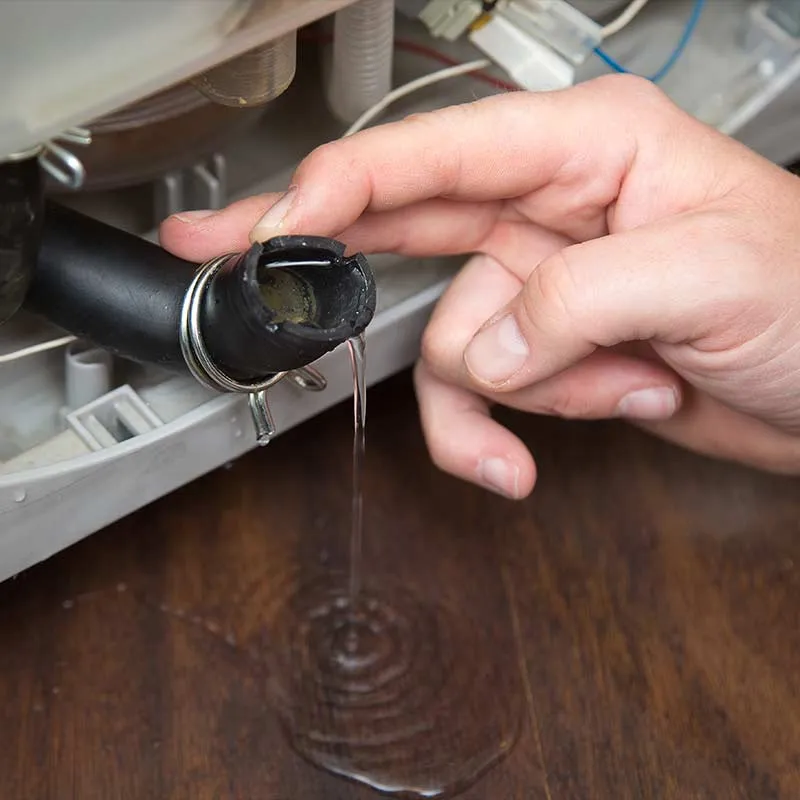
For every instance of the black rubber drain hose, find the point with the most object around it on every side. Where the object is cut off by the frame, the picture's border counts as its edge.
(278, 306)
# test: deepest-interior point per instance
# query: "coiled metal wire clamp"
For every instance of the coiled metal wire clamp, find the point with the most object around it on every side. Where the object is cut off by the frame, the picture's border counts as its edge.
(57, 161)
(206, 372)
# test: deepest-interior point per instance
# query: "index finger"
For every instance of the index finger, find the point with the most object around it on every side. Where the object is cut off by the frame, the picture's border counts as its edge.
(561, 159)
(499, 148)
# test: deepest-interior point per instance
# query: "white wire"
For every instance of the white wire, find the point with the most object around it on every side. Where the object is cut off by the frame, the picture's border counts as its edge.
(413, 86)
(34, 349)
(624, 19)
(361, 122)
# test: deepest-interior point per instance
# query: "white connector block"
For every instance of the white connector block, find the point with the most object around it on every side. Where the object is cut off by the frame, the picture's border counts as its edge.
(531, 64)
(450, 19)
(556, 24)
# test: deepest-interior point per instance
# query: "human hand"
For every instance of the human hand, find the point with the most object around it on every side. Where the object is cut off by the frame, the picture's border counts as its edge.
(631, 263)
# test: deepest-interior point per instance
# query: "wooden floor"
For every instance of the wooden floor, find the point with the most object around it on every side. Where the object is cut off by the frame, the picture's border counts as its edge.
(641, 610)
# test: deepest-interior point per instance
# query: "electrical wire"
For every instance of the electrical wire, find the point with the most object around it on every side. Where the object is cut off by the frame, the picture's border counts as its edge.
(413, 86)
(624, 19)
(674, 56)
(436, 55)
(409, 46)
(35, 349)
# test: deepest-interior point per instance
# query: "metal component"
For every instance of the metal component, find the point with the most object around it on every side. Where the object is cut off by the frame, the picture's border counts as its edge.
(204, 185)
(203, 369)
(70, 172)
(192, 345)
(308, 378)
(80, 136)
(262, 416)
(22, 155)
(254, 78)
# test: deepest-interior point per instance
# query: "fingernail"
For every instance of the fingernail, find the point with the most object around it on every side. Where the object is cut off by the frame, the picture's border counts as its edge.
(497, 352)
(190, 217)
(270, 224)
(660, 403)
(501, 476)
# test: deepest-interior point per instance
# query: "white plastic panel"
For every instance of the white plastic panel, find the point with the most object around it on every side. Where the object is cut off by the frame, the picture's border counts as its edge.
(721, 70)
(66, 62)
(44, 510)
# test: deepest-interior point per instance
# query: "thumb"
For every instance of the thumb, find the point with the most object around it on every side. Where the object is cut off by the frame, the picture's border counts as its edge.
(647, 283)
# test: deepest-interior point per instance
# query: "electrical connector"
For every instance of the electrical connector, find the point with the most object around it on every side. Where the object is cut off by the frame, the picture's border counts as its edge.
(532, 65)
(557, 24)
(450, 19)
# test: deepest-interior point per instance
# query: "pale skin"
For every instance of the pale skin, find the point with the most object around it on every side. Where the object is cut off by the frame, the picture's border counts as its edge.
(625, 261)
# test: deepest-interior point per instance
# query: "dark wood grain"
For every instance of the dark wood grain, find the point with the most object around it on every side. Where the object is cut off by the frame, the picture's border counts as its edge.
(643, 605)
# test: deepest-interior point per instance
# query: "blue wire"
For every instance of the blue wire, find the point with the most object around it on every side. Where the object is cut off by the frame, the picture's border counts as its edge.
(676, 53)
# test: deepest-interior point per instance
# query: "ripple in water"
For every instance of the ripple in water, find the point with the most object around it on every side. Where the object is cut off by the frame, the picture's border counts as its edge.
(388, 692)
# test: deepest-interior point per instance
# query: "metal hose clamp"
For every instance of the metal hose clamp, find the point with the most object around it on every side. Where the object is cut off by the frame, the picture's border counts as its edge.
(206, 372)
(56, 160)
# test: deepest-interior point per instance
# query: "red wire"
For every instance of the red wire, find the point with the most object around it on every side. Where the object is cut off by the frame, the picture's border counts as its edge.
(427, 52)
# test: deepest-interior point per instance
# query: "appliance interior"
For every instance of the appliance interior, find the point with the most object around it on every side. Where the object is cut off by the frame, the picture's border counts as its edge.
(87, 438)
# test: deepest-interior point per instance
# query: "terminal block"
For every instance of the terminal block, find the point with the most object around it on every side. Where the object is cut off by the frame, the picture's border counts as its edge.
(539, 43)
(450, 19)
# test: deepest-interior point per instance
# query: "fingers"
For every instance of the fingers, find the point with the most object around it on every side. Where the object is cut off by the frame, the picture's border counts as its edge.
(605, 385)
(434, 227)
(644, 284)
(481, 287)
(199, 236)
(461, 436)
(445, 227)
(560, 156)
(559, 159)
(501, 147)
(487, 282)
(709, 427)
(466, 442)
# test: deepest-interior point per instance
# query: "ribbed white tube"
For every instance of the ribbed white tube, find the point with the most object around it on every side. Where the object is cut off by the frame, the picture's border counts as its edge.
(363, 49)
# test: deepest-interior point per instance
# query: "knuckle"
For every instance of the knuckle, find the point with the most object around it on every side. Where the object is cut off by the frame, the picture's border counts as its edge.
(631, 90)
(551, 298)
(641, 106)
(444, 164)
(326, 160)
(568, 404)
(433, 347)
(319, 158)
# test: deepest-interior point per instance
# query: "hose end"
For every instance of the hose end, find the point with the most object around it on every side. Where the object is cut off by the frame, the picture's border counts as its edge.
(299, 297)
